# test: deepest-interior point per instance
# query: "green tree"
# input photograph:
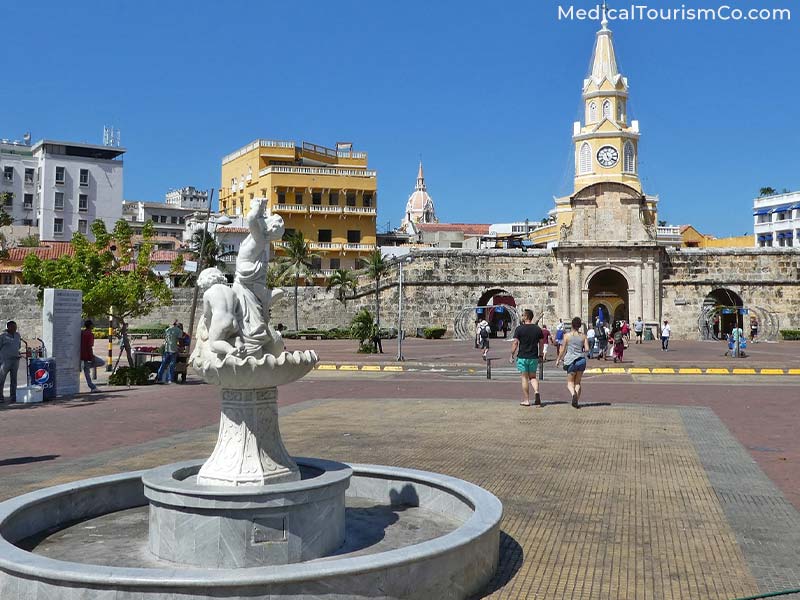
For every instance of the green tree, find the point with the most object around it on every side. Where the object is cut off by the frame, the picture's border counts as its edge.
(212, 251)
(29, 241)
(766, 191)
(344, 281)
(176, 270)
(364, 329)
(5, 218)
(377, 268)
(296, 263)
(662, 223)
(115, 279)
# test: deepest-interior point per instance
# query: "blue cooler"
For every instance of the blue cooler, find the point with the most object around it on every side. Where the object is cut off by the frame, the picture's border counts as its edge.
(43, 373)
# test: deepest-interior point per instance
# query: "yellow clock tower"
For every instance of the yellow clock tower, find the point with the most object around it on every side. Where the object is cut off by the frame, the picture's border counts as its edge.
(607, 144)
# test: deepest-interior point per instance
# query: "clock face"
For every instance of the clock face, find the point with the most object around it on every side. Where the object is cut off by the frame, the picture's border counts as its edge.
(607, 156)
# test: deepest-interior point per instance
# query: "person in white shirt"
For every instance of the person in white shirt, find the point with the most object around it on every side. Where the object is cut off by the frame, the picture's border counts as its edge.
(665, 333)
(590, 338)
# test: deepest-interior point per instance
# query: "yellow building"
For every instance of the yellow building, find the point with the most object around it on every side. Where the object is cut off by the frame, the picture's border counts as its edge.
(329, 195)
(691, 238)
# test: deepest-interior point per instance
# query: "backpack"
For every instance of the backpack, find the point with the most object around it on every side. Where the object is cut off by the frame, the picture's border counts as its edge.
(600, 334)
(484, 332)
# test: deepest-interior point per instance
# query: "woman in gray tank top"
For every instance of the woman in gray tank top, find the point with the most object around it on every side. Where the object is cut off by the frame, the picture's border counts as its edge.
(573, 356)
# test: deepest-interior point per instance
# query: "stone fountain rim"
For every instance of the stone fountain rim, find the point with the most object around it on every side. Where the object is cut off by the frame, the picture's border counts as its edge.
(486, 516)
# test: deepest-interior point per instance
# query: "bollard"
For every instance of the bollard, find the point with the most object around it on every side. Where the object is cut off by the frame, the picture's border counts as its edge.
(541, 369)
(488, 368)
(110, 360)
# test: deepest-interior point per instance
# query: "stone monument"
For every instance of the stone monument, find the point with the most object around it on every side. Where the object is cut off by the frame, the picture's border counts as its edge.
(61, 334)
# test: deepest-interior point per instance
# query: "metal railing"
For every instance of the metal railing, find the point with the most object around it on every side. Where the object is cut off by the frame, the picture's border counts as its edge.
(295, 170)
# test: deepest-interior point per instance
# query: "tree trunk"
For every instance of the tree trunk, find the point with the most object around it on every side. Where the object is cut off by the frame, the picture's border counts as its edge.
(296, 322)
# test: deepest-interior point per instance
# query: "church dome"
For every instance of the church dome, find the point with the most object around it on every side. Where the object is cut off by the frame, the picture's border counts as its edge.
(419, 208)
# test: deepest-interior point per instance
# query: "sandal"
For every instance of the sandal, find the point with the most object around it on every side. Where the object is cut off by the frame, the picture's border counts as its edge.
(524, 403)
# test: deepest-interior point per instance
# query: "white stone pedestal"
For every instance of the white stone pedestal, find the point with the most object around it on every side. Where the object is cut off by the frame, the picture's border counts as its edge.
(249, 448)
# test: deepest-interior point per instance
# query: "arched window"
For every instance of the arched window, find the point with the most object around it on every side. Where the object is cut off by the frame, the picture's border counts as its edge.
(629, 158)
(591, 112)
(620, 111)
(585, 159)
(607, 109)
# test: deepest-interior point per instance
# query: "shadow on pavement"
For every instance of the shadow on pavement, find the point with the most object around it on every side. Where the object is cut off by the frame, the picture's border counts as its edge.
(511, 559)
(24, 460)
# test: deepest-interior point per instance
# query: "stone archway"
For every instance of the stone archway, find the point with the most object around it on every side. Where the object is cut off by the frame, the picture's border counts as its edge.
(608, 288)
(720, 313)
(497, 306)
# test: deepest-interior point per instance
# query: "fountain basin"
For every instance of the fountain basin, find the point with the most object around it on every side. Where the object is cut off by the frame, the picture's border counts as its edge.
(455, 565)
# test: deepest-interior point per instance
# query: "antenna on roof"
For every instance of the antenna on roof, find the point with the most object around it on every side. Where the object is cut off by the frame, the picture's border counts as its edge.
(111, 136)
(27, 138)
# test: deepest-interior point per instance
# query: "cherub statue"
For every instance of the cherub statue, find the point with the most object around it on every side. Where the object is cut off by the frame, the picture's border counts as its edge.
(219, 330)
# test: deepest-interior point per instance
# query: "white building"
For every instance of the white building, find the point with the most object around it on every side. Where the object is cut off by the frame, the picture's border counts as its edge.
(18, 167)
(777, 221)
(188, 197)
(168, 220)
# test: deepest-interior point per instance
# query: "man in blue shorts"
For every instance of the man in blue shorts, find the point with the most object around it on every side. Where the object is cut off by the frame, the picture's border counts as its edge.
(526, 350)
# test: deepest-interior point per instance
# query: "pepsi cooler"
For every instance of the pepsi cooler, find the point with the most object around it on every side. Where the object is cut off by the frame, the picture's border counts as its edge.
(43, 373)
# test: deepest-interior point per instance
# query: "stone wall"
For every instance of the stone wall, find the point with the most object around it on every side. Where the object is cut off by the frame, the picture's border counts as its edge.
(19, 303)
(765, 279)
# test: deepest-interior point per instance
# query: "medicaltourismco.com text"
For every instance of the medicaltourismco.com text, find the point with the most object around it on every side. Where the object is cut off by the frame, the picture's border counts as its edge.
(643, 12)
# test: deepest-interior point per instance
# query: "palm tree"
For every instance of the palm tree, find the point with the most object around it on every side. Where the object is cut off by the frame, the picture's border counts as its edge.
(296, 263)
(344, 281)
(766, 191)
(212, 252)
(377, 267)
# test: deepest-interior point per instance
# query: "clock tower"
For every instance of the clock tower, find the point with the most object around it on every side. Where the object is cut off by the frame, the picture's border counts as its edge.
(607, 143)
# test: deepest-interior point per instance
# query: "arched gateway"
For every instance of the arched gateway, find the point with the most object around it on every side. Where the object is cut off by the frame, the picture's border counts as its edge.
(608, 291)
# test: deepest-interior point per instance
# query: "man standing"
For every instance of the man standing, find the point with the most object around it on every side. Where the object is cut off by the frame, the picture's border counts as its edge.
(548, 339)
(166, 372)
(526, 349)
(483, 335)
(638, 328)
(665, 333)
(9, 360)
(88, 360)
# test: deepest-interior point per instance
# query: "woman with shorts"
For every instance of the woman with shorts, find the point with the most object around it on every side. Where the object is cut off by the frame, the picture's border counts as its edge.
(573, 356)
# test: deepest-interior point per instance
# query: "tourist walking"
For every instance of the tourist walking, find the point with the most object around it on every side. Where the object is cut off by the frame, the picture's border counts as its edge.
(638, 329)
(10, 343)
(753, 330)
(601, 335)
(559, 337)
(483, 334)
(665, 333)
(626, 331)
(88, 360)
(619, 343)
(526, 348)
(166, 372)
(590, 338)
(573, 356)
(547, 338)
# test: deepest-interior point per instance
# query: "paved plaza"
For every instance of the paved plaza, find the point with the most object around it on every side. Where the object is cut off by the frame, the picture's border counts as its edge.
(682, 487)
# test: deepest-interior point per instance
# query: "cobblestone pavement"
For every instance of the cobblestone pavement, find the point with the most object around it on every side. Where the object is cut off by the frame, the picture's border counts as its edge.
(626, 501)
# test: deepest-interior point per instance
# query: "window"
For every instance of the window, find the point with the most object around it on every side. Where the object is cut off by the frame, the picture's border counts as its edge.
(333, 199)
(591, 112)
(353, 236)
(83, 225)
(58, 203)
(8, 279)
(629, 158)
(621, 111)
(316, 198)
(607, 109)
(336, 263)
(324, 235)
(83, 202)
(29, 176)
(163, 218)
(58, 226)
(27, 222)
(173, 220)
(287, 233)
(316, 263)
(60, 175)
(84, 177)
(27, 201)
(367, 199)
(281, 198)
(585, 159)
(456, 244)
(298, 198)
(9, 200)
(8, 174)
(154, 218)
(182, 220)
(351, 199)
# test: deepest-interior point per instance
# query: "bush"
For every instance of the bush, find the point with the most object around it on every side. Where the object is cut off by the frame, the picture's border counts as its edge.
(364, 329)
(790, 334)
(434, 333)
(152, 331)
(100, 333)
(130, 376)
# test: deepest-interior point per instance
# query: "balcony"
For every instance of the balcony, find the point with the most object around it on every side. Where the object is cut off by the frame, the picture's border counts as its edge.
(360, 247)
(360, 210)
(324, 208)
(325, 245)
(291, 208)
(333, 171)
(669, 231)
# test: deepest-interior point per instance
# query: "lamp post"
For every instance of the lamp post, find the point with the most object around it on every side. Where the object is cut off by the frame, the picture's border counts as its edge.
(400, 263)
(222, 220)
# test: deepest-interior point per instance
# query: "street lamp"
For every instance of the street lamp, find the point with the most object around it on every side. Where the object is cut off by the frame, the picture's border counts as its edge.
(400, 262)
(218, 220)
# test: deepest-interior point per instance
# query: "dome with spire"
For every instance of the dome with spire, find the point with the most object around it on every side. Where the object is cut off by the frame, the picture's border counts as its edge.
(419, 208)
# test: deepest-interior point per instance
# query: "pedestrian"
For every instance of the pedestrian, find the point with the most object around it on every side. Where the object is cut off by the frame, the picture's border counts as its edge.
(626, 332)
(573, 356)
(526, 347)
(166, 372)
(715, 327)
(10, 343)
(483, 335)
(559, 338)
(590, 338)
(753, 330)
(185, 341)
(376, 341)
(736, 342)
(638, 329)
(619, 343)
(601, 335)
(88, 360)
(547, 338)
(665, 333)
(477, 333)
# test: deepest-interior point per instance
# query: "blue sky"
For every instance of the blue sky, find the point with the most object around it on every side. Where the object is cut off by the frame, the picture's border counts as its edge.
(485, 92)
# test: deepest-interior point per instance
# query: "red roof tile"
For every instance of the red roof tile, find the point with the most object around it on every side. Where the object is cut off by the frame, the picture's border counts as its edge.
(46, 251)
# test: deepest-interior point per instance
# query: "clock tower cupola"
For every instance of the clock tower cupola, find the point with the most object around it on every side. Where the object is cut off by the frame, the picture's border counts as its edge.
(606, 142)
